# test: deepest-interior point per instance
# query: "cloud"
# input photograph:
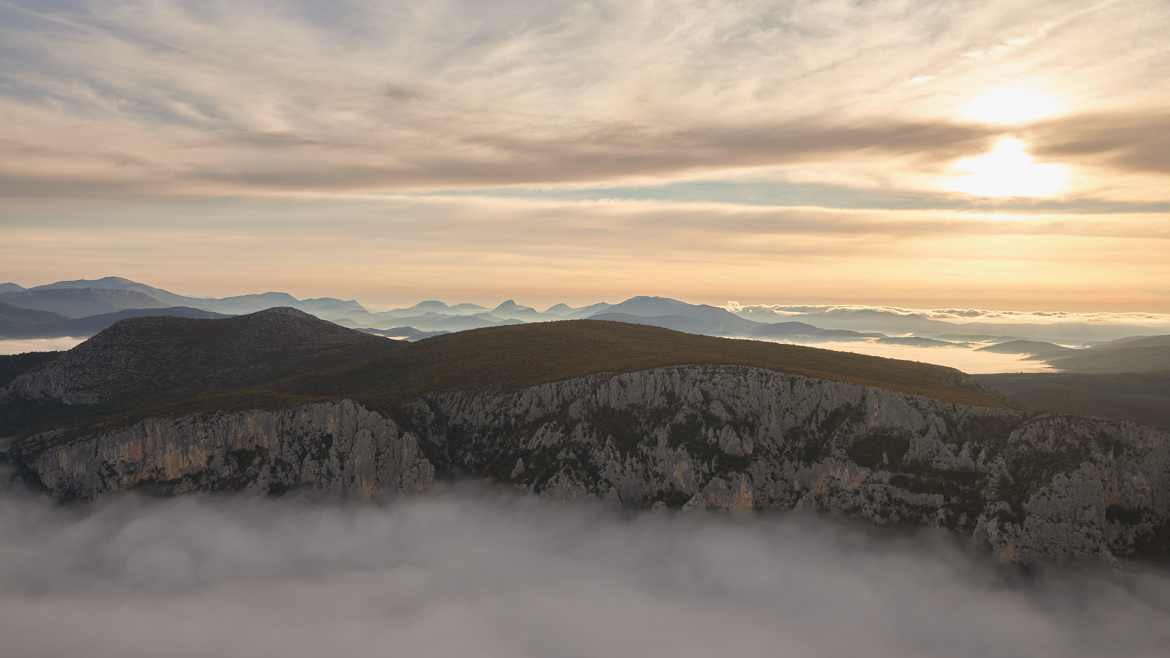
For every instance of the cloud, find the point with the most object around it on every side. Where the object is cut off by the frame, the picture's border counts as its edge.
(482, 574)
(395, 249)
(1135, 142)
(267, 121)
(165, 97)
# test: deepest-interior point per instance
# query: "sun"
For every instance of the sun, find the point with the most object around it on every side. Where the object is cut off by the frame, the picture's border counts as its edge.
(1007, 170)
(1012, 106)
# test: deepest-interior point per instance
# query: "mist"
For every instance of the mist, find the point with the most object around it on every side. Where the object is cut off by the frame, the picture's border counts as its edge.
(969, 359)
(22, 345)
(484, 574)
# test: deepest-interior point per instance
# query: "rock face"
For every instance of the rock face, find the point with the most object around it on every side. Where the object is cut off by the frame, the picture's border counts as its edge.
(338, 448)
(707, 437)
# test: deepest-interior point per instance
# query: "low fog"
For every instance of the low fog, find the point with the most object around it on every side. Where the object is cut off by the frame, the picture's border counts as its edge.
(968, 359)
(477, 573)
(21, 345)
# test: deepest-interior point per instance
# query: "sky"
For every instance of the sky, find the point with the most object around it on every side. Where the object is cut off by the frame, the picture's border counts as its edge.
(1011, 155)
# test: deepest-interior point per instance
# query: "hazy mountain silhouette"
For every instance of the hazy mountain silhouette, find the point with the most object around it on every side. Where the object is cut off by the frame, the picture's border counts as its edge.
(1035, 348)
(16, 322)
(81, 302)
(510, 309)
(85, 297)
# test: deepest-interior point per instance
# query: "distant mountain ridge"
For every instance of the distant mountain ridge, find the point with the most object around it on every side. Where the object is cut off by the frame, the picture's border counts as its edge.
(16, 322)
(82, 298)
(80, 302)
(86, 297)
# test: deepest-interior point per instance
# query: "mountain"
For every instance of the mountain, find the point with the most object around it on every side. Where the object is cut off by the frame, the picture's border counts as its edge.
(695, 320)
(854, 319)
(559, 310)
(918, 341)
(431, 322)
(431, 306)
(713, 321)
(18, 322)
(513, 311)
(10, 287)
(466, 308)
(433, 310)
(119, 283)
(93, 324)
(801, 331)
(1034, 348)
(562, 310)
(324, 307)
(636, 415)
(14, 365)
(171, 358)
(1138, 354)
(403, 333)
(650, 307)
(114, 293)
(167, 358)
(1138, 397)
(80, 302)
(584, 312)
(1135, 342)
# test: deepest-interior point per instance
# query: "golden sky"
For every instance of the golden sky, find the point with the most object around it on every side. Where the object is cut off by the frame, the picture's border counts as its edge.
(1007, 154)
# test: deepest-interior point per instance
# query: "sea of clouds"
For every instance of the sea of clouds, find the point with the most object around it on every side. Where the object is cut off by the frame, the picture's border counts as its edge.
(959, 315)
(475, 573)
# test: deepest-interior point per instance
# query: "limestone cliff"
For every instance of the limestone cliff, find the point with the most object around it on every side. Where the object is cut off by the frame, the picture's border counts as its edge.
(712, 437)
(337, 448)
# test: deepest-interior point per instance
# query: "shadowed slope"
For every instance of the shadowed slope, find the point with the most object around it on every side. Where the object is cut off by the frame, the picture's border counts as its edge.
(525, 355)
(1138, 354)
(283, 357)
(152, 358)
(1140, 397)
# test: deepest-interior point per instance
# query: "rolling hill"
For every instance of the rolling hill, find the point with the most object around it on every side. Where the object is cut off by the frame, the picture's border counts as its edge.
(1139, 354)
(283, 356)
(81, 302)
(280, 401)
(85, 297)
(1140, 397)
(1036, 349)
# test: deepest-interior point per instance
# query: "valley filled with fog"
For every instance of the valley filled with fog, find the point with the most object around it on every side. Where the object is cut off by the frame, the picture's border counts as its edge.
(968, 358)
(22, 345)
(486, 574)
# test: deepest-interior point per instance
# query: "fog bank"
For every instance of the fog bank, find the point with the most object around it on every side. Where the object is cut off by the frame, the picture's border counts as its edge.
(479, 574)
(968, 359)
(21, 345)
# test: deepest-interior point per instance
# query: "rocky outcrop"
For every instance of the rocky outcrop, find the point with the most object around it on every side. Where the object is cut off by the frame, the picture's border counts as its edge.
(337, 448)
(689, 437)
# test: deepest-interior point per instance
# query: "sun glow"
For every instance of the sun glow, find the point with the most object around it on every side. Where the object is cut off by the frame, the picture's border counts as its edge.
(1007, 170)
(1012, 106)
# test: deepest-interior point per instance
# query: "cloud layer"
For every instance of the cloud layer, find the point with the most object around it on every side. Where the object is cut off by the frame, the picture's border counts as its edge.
(475, 574)
(156, 96)
(444, 145)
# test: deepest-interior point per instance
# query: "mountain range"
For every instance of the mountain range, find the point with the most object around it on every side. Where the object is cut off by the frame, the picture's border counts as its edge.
(87, 297)
(84, 307)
